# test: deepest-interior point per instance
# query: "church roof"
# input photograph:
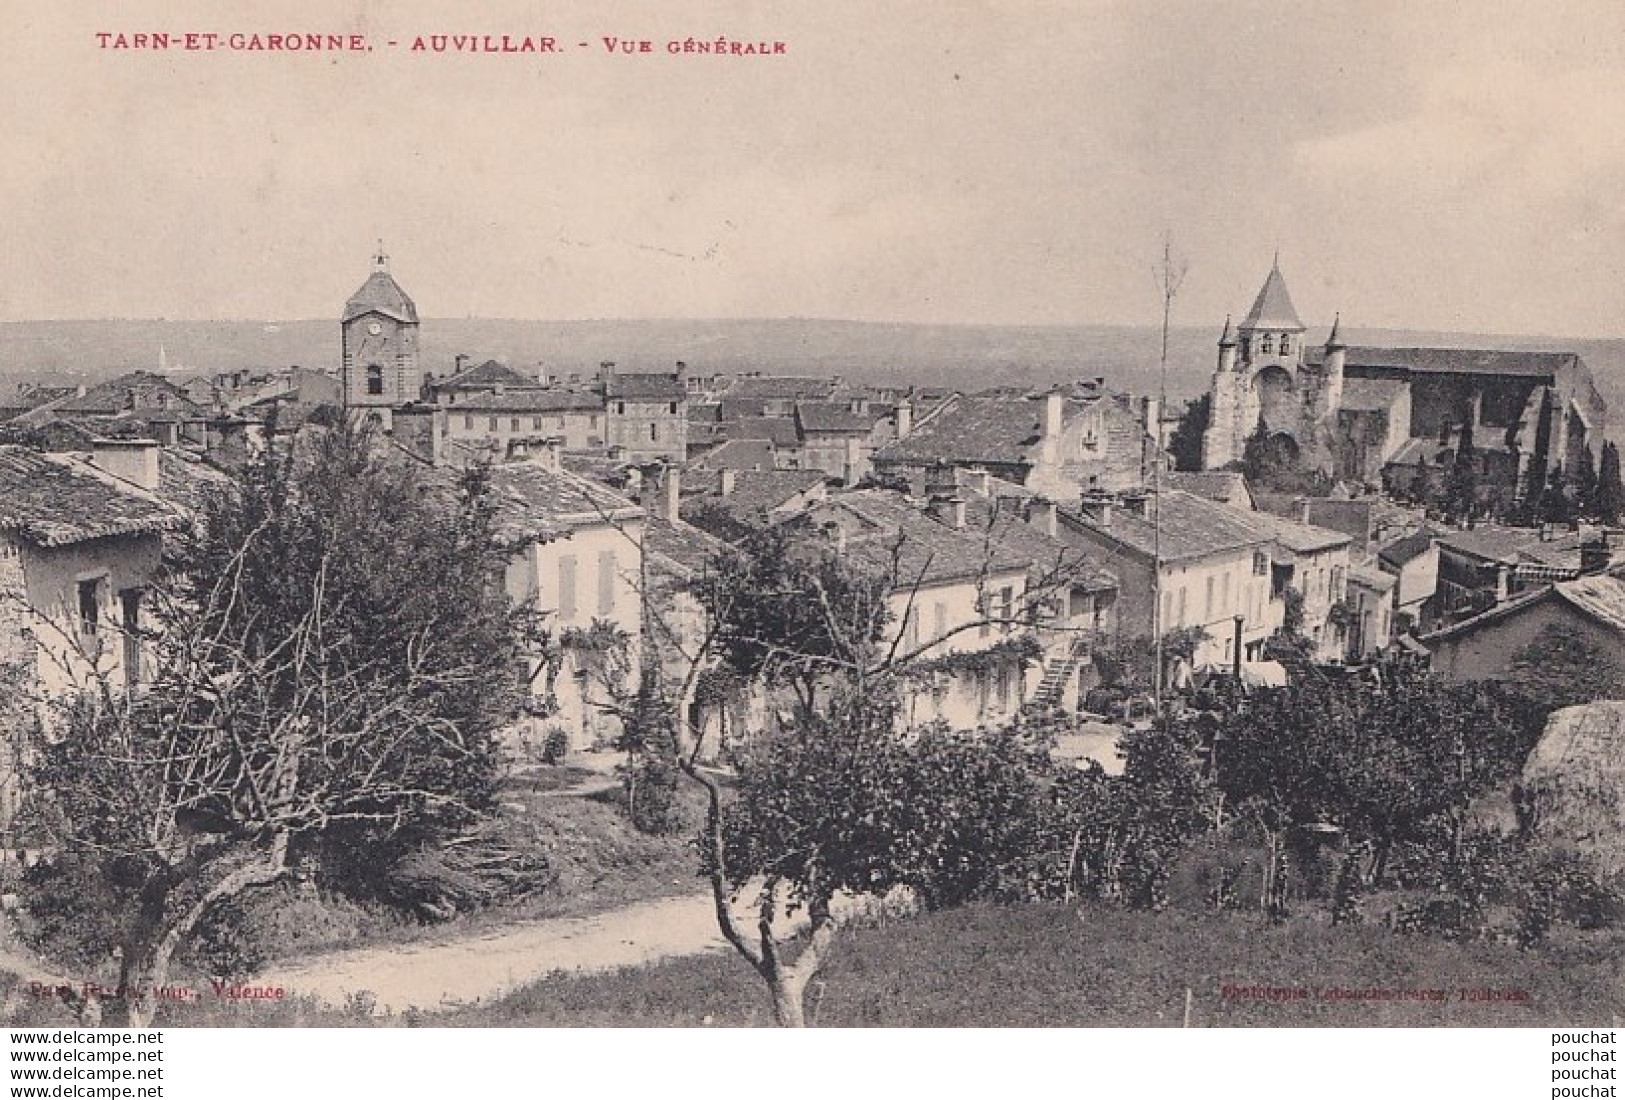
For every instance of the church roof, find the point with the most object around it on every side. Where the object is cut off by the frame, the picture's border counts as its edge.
(381, 294)
(1523, 364)
(1273, 308)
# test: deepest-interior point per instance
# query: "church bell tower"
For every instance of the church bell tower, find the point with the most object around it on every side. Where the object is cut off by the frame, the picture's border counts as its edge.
(379, 331)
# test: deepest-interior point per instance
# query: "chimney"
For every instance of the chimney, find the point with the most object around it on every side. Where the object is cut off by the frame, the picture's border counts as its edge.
(1041, 514)
(916, 482)
(1097, 507)
(421, 429)
(949, 511)
(461, 364)
(1503, 582)
(662, 492)
(134, 460)
(905, 418)
(518, 450)
(1594, 556)
(977, 480)
(1303, 511)
(1150, 416)
(726, 478)
(606, 370)
(1135, 503)
(1054, 411)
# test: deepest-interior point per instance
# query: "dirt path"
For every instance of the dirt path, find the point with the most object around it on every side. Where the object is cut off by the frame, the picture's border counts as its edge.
(437, 976)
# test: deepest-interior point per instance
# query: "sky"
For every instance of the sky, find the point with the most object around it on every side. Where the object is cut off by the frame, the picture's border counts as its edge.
(1450, 166)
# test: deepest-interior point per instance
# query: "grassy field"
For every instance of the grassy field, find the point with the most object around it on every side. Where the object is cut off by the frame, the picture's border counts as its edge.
(1088, 965)
(1099, 965)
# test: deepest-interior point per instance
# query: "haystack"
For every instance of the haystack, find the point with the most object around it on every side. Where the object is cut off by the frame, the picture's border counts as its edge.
(1574, 784)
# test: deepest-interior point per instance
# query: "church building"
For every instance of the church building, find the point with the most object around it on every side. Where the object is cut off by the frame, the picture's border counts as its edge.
(1363, 413)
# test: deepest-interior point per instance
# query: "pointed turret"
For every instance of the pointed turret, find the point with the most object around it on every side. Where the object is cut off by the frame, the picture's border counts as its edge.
(1227, 348)
(1334, 342)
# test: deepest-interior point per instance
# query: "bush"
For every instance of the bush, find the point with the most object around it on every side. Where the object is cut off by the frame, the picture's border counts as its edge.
(555, 745)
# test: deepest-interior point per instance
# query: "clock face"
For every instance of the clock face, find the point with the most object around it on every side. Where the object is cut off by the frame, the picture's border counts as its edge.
(375, 328)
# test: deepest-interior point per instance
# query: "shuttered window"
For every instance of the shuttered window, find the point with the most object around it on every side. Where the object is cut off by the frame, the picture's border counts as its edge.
(567, 587)
(606, 582)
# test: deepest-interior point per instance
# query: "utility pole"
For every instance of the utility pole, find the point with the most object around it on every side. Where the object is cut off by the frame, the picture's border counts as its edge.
(1169, 275)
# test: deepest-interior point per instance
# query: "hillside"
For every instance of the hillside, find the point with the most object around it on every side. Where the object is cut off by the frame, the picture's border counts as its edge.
(963, 356)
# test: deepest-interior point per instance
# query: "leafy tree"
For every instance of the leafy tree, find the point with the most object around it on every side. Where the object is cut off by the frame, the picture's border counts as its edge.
(1186, 442)
(1610, 489)
(1461, 489)
(1400, 761)
(331, 672)
(1556, 505)
(1561, 667)
(1273, 461)
(1289, 643)
(1586, 484)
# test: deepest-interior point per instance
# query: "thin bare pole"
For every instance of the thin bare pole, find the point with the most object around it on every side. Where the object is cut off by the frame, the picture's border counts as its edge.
(1169, 275)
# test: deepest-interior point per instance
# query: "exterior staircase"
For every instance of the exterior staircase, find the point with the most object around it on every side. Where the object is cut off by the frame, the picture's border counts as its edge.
(1058, 673)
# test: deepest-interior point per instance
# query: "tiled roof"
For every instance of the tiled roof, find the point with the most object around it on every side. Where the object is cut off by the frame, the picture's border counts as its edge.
(381, 294)
(833, 416)
(185, 479)
(1402, 551)
(756, 494)
(1490, 543)
(54, 500)
(145, 390)
(1224, 486)
(777, 430)
(1002, 520)
(1371, 394)
(1273, 308)
(973, 429)
(534, 502)
(1192, 528)
(737, 454)
(1300, 538)
(890, 534)
(1602, 597)
(487, 374)
(781, 388)
(1368, 576)
(646, 387)
(686, 546)
(732, 408)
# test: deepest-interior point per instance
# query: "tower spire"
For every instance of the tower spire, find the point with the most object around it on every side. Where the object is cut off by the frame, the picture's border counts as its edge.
(1228, 339)
(1334, 342)
(380, 258)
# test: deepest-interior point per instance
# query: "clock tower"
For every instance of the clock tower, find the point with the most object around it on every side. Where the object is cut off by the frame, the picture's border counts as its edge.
(379, 330)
